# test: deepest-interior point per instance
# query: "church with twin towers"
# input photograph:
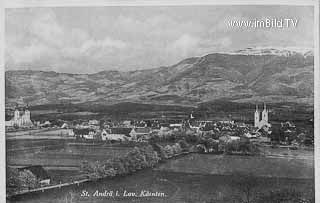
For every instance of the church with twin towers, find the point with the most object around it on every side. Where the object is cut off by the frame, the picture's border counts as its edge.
(261, 120)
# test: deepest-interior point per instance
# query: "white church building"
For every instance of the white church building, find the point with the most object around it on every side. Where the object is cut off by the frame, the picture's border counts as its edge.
(20, 119)
(264, 120)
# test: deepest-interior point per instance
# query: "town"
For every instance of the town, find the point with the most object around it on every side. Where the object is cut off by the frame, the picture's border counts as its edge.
(91, 139)
(261, 131)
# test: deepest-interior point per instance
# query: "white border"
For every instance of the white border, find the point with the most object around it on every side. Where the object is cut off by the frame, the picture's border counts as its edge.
(91, 3)
(2, 108)
(316, 101)
(80, 3)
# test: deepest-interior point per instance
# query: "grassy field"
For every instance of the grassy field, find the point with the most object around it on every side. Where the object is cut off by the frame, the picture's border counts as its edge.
(253, 165)
(298, 153)
(59, 153)
(192, 178)
(177, 187)
(43, 133)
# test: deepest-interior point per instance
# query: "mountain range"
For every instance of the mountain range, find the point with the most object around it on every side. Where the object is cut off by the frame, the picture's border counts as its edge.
(248, 75)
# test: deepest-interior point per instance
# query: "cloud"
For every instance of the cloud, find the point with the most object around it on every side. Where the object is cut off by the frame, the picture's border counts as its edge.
(183, 46)
(27, 54)
(106, 44)
(45, 40)
(45, 28)
(86, 40)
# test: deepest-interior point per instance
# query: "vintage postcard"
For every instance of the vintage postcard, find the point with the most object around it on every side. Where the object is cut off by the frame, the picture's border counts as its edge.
(160, 102)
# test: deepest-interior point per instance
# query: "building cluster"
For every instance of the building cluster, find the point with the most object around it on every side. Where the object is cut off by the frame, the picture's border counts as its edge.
(261, 119)
(21, 119)
(143, 130)
(139, 131)
(229, 131)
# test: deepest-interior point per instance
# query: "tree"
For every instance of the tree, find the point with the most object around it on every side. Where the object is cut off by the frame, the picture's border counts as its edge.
(21, 180)
(232, 146)
(183, 144)
(119, 166)
(176, 148)
(138, 158)
(168, 151)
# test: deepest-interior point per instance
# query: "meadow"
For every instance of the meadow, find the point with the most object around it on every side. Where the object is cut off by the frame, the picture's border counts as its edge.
(253, 165)
(203, 178)
(177, 187)
(59, 154)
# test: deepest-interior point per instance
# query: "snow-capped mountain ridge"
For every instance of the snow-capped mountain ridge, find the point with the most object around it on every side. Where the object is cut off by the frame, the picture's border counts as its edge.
(246, 75)
(280, 51)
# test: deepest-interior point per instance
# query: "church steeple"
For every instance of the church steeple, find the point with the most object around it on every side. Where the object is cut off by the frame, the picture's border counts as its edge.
(256, 117)
(264, 121)
(265, 113)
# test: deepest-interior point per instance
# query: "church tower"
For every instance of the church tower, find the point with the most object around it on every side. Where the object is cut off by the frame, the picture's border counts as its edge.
(265, 114)
(256, 117)
(27, 114)
(16, 114)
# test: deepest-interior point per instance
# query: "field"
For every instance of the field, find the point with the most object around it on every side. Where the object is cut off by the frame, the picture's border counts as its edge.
(39, 134)
(216, 110)
(192, 178)
(307, 153)
(62, 158)
(177, 187)
(276, 167)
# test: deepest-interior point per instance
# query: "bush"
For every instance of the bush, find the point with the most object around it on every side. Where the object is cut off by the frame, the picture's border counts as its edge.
(134, 160)
(176, 148)
(193, 139)
(168, 151)
(21, 180)
(183, 144)
(241, 146)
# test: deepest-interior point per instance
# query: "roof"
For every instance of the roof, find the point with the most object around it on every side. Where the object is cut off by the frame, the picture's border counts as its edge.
(123, 131)
(142, 130)
(84, 131)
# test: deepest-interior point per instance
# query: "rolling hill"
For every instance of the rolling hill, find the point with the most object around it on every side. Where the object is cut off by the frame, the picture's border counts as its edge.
(249, 75)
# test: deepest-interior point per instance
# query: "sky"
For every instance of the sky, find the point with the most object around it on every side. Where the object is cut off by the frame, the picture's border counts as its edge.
(93, 39)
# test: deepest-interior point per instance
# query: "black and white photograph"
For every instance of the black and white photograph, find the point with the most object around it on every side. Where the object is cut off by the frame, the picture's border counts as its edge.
(160, 103)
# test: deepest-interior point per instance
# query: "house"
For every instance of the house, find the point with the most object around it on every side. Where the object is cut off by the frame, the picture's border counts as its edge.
(234, 138)
(227, 122)
(116, 134)
(46, 124)
(85, 133)
(65, 126)
(249, 135)
(140, 134)
(176, 125)
(127, 123)
(93, 122)
(164, 125)
(224, 138)
(70, 132)
(39, 172)
(193, 126)
(141, 124)
(228, 138)
(266, 140)
(288, 124)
